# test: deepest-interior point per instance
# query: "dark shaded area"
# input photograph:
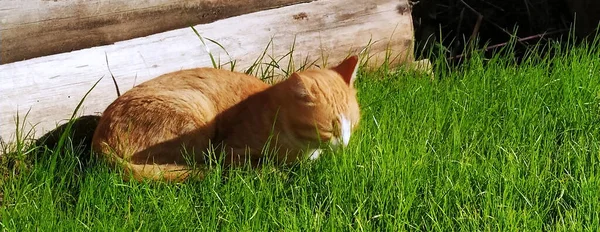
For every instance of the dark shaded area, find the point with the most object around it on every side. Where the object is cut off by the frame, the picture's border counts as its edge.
(50, 154)
(80, 136)
(457, 24)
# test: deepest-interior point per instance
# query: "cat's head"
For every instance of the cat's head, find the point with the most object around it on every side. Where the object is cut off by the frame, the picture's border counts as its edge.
(325, 102)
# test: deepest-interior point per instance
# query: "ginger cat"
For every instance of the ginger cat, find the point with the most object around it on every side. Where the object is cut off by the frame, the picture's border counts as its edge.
(149, 128)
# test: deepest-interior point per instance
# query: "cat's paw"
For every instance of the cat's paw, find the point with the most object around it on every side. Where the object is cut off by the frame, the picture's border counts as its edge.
(314, 154)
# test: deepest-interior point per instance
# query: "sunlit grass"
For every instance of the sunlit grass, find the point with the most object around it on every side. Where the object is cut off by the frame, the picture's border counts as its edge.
(490, 145)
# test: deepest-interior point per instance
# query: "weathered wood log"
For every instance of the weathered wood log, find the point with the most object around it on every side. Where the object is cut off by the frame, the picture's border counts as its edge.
(321, 31)
(31, 28)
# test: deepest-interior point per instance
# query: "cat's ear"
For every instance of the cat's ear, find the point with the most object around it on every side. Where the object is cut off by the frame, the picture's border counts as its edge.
(300, 88)
(348, 69)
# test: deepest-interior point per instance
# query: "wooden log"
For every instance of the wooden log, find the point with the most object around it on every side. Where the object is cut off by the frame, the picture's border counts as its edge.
(321, 31)
(31, 29)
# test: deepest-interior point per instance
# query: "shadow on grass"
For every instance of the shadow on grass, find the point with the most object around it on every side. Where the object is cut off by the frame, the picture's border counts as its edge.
(80, 135)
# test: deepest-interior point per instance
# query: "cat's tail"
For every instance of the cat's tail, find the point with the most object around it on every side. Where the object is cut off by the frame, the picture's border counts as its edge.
(159, 172)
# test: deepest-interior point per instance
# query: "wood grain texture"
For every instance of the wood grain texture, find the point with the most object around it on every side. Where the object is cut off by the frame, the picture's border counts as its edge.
(50, 87)
(34, 28)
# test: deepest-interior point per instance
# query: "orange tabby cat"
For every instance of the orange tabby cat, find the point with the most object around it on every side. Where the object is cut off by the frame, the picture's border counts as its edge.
(147, 129)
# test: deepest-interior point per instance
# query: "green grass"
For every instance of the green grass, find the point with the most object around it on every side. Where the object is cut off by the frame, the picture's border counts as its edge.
(491, 145)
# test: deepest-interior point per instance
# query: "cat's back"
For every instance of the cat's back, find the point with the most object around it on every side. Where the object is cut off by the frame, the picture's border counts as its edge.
(220, 85)
(171, 106)
(205, 89)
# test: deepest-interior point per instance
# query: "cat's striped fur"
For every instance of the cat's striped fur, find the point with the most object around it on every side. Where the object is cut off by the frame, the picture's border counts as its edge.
(147, 129)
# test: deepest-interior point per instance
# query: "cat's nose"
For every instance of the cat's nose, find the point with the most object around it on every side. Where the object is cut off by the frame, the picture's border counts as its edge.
(335, 142)
(338, 142)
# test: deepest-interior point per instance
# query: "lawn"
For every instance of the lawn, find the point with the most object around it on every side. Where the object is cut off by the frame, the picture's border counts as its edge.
(489, 145)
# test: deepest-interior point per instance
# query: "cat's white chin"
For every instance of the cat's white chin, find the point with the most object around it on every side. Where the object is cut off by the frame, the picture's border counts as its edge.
(346, 130)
